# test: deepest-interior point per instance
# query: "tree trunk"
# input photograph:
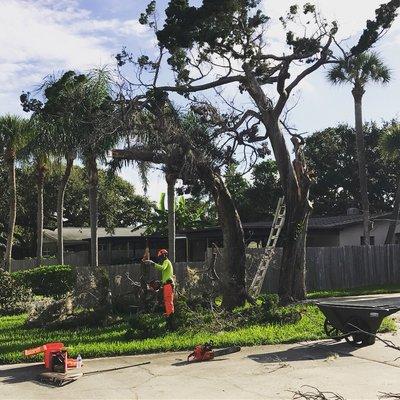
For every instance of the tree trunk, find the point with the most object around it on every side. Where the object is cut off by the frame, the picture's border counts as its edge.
(10, 159)
(395, 216)
(296, 181)
(60, 209)
(358, 93)
(234, 250)
(292, 284)
(40, 175)
(93, 207)
(171, 180)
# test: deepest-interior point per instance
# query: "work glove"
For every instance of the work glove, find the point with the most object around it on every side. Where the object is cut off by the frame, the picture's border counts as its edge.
(149, 262)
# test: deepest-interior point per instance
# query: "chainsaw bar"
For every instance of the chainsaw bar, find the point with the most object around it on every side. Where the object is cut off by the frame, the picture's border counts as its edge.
(228, 350)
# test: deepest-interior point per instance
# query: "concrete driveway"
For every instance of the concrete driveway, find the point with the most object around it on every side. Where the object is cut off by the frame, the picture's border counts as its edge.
(261, 372)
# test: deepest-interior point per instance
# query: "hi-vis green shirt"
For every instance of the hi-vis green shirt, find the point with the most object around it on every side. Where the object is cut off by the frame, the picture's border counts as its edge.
(166, 269)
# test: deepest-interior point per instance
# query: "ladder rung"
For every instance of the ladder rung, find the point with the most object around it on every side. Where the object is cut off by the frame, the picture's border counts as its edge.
(277, 224)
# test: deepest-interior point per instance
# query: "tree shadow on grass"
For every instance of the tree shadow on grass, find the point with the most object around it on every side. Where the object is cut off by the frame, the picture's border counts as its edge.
(314, 351)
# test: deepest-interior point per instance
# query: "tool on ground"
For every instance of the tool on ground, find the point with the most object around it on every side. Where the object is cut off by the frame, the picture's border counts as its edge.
(62, 370)
(277, 224)
(205, 352)
(55, 356)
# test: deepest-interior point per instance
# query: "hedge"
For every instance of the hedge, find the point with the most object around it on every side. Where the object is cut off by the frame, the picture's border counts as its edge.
(50, 280)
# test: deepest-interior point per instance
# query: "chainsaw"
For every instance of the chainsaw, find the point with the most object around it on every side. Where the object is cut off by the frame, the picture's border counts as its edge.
(205, 352)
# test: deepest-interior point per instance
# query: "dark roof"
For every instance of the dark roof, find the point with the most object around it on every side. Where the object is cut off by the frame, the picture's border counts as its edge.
(336, 222)
(326, 223)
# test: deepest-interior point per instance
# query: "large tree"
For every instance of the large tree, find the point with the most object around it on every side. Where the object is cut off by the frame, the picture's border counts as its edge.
(332, 153)
(358, 71)
(189, 145)
(14, 135)
(229, 38)
(390, 148)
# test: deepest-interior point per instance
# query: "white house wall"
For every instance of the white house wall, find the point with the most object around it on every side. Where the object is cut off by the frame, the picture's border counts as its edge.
(351, 236)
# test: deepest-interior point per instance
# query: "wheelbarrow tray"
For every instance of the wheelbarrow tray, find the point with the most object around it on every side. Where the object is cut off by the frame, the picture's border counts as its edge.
(349, 316)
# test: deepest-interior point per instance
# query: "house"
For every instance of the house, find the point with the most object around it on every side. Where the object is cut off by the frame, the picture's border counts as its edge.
(341, 230)
(123, 245)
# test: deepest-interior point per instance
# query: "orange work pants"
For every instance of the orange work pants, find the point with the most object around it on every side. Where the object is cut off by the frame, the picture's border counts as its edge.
(168, 294)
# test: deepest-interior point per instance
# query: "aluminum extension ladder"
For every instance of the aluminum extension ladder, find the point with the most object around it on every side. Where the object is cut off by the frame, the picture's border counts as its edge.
(277, 224)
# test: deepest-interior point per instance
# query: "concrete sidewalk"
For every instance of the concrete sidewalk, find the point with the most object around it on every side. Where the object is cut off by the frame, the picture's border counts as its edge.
(262, 372)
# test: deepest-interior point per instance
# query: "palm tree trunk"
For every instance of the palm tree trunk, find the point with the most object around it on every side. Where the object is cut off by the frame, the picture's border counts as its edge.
(60, 208)
(395, 216)
(93, 208)
(358, 93)
(41, 168)
(10, 159)
(171, 180)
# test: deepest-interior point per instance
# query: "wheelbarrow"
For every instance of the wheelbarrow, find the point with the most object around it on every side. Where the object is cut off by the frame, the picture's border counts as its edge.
(356, 321)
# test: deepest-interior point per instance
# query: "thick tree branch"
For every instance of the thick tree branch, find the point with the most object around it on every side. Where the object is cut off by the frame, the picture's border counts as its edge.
(190, 89)
(284, 95)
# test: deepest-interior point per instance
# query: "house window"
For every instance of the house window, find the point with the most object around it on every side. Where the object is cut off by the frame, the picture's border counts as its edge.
(371, 240)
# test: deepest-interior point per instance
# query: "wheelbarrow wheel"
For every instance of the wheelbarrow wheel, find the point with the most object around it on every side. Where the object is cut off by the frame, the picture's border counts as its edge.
(331, 331)
(358, 338)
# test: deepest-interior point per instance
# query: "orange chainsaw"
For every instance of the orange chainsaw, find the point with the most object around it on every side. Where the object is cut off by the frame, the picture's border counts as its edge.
(205, 352)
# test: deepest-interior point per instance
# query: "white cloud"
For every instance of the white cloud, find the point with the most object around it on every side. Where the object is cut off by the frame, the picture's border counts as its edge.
(39, 37)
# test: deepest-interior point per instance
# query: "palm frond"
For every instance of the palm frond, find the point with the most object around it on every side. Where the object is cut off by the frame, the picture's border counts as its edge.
(389, 143)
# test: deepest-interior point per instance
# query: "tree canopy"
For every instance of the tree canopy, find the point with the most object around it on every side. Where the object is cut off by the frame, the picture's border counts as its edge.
(332, 153)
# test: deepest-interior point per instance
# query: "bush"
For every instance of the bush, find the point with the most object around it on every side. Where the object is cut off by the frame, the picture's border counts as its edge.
(52, 280)
(14, 298)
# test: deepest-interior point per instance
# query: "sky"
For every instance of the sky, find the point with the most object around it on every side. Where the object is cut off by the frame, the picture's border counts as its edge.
(42, 37)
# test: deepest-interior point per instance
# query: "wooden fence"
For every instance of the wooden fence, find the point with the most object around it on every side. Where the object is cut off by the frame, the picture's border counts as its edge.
(327, 267)
(334, 267)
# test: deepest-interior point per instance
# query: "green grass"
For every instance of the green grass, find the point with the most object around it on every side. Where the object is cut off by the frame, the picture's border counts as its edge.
(111, 341)
(355, 291)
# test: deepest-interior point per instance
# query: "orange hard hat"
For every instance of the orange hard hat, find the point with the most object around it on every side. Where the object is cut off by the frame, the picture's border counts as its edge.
(162, 252)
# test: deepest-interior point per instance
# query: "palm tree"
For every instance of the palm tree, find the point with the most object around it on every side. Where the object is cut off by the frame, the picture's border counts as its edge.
(358, 71)
(37, 152)
(14, 132)
(389, 145)
(62, 108)
(100, 126)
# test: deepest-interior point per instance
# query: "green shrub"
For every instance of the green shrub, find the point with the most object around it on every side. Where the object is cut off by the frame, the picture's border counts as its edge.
(52, 280)
(14, 298)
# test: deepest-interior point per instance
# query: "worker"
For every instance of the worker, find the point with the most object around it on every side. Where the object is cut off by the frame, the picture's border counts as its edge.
(167, 281)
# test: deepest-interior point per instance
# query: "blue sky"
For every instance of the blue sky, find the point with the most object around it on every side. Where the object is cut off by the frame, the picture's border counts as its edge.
(39, 37)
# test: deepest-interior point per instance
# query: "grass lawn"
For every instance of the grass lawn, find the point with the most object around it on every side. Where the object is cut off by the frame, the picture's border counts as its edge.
(355, 291)
(111, 341)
